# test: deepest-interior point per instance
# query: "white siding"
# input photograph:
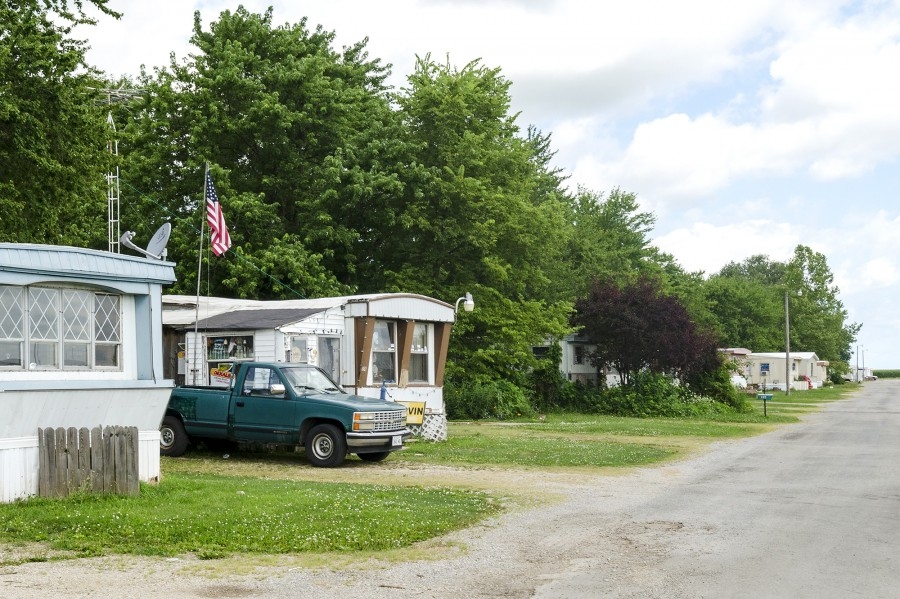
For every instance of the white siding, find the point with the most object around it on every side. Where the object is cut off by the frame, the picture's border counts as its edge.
(19, 464)
(264, 346)
(329, 322)
(26, 410)
(432, 396)
(408, 307)
(19, 468)
(148, 456)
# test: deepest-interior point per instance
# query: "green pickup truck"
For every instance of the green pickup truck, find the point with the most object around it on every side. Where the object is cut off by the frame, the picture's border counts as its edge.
(284, 404)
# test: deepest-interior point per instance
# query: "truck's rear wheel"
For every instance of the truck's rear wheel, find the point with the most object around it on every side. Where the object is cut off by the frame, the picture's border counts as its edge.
(326, 446)
(375, 456)
(173, 440)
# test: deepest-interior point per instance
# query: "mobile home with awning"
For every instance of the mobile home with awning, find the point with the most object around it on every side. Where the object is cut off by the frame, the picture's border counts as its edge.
(390, 344)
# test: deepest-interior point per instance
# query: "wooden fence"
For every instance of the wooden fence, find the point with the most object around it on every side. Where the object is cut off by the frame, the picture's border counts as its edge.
(97, 460)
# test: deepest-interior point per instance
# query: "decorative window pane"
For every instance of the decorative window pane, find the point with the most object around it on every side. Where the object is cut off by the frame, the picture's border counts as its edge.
(76, 327)
(107, 350)
(12, 314)
(12, 324)
(106, 318)
(44, 313)
(76, 315)
(418, 360)
(44, 326)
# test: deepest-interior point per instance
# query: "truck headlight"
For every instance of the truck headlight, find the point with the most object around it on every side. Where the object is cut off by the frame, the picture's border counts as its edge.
(363, 421)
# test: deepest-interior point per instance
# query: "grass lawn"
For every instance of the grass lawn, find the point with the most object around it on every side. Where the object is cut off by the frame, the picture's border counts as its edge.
(213, 515)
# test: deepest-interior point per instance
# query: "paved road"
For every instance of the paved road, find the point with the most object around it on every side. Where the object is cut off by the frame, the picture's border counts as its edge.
(812, 510)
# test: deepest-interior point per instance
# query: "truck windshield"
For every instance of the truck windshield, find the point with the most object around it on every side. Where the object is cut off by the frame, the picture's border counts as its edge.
(310, 378)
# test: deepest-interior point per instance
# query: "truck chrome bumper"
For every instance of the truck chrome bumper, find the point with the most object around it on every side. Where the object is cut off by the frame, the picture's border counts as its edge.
(381, 439)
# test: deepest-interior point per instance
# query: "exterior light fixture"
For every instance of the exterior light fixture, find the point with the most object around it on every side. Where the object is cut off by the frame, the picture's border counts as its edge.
(468, 302)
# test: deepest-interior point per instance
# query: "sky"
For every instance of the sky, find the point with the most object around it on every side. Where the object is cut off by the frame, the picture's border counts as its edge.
(745, 127)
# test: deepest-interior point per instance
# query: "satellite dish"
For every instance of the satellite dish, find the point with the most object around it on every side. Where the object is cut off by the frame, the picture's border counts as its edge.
(157, 247)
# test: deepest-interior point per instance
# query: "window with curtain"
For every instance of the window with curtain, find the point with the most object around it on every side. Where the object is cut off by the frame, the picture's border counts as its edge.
(419, 355)
(384, 352)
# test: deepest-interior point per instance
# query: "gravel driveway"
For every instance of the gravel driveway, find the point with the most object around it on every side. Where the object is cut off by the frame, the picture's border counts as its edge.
(758, 517)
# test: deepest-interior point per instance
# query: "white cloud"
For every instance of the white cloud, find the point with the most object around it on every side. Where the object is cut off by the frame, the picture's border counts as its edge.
(708, 247)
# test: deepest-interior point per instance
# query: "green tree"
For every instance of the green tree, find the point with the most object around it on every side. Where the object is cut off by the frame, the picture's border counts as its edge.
(481, 213)
(53, 131)
(747, 312)
(748, 301)
(818, 317)
(297, 135)
(638, 327)
(608, 240)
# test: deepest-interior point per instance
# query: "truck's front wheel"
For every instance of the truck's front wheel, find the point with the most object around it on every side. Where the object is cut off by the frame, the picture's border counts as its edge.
(326, 446)
(173, 440)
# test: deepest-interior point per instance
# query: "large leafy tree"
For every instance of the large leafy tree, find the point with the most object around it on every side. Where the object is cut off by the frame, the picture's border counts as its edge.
(53, 132)
(482, 212)
(747, 312)
(636, 327)
(818, 317)
(609, 239)
(298, 136)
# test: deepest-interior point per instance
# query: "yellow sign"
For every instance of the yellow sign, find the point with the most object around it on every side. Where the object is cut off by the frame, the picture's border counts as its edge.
(415, 411)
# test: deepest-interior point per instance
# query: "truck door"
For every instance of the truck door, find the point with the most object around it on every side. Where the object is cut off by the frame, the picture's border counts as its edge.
(263, 411)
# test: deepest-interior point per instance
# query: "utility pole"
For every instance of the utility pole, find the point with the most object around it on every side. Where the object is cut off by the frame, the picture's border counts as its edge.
(787, 345)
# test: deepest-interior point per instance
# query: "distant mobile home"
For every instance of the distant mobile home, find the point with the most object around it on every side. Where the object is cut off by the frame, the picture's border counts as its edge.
(80, 346)
(768, 368)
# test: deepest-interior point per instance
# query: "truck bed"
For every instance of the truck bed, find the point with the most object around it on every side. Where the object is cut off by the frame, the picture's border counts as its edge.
(205, 409)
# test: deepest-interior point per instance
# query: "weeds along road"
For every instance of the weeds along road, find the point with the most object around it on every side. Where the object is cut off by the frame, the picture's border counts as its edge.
(809, 510)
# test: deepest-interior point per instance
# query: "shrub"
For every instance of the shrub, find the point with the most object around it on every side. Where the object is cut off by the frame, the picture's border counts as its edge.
(488, 399)
(652, 394)
(717, 385)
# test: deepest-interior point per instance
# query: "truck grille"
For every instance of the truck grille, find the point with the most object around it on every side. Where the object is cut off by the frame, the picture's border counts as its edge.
(390, 421)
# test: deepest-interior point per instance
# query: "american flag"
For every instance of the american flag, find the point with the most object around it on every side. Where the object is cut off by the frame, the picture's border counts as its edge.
(219, 239)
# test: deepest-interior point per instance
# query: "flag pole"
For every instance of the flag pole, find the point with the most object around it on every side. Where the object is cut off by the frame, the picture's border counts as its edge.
(195, 371)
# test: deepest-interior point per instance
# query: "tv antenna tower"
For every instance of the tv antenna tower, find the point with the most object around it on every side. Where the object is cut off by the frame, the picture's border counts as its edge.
(114, 96)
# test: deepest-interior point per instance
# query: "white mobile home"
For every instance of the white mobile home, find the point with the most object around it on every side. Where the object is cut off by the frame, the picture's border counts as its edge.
(392, 343)
(80, 346)
(769, 369)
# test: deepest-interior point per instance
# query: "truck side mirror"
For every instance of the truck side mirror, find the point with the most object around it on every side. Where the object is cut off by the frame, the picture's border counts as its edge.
(276, 389)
